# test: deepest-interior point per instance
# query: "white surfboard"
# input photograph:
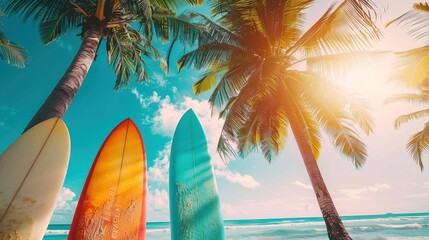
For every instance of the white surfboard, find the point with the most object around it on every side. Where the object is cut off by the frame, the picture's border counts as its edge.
(32, 172)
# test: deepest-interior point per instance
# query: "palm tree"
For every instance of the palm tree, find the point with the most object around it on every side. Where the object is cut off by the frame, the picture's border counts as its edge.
(114, 20)
(412, 70)
(251, 62)
(418, 142)
(11, 52)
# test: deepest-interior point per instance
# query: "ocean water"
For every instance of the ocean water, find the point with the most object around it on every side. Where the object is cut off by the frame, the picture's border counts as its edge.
(371, 227)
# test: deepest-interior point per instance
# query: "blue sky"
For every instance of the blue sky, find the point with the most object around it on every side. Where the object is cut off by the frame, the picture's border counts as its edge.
(249, 188)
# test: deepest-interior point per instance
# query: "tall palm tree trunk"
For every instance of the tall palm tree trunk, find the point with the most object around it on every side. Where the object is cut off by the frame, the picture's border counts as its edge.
(61, 96)
(334, 225)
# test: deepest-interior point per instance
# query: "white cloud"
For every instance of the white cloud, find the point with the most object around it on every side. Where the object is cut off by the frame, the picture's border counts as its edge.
(158, 208)
(426, 184)
(358, 192)
(303, 185)
(65, 201)
(146, 102)
(158, 200)
(165, 121)
(159, 171)
(236, 177)
(159, 79)
(174, 89)
(65, 206)
(166, 118)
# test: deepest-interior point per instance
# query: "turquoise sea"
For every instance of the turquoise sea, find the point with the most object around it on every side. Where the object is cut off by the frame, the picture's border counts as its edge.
(413, 226)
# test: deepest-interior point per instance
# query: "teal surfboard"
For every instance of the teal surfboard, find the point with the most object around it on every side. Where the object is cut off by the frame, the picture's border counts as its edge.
(194, 201)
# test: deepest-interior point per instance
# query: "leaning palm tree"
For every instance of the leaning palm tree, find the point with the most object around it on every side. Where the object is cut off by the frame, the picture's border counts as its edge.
(127, 26)
(251, 62)
(418, 144)
(11, 52)
(412, 71)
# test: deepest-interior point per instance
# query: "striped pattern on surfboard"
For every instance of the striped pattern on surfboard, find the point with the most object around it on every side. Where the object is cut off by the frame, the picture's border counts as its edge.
(112, 202)
(194, 202)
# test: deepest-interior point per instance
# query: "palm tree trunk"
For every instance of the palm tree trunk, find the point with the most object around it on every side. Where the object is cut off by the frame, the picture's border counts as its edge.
(334, 225)
(61, 96)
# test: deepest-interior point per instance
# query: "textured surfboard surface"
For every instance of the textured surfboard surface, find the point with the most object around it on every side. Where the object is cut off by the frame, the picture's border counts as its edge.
(194, 202)
(32, 172)
(112, 202)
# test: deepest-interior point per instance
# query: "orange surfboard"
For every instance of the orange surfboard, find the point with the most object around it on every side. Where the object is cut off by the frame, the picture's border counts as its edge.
(113, 199)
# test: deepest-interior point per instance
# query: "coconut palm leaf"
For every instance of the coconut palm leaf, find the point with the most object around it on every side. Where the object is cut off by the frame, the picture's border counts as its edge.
(336, 66)
(341, 29)
(411, 116)
(207, 81)
(418, 144)
(126, 48)
(412, 67)
(338, 114)
(416, 21)
(413, 98)
(12, 53)
(211, 55)
(231, 83)
(273, 132)
(67, 20)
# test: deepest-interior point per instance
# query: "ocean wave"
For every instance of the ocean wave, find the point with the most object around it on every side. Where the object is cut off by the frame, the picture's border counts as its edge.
(157, 230)
(320, 229)
(379, 227)
(408, 238)
(289, 224)
(392, 219)
(57, 232)
(401, 226)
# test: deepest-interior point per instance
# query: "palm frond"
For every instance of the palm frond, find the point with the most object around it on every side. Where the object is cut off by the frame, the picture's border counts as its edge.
(236, 15)
(42, 10)
(272, 131)
(207, 81)
(411, 67)
(360, 112)
(126, 48)
(411, 116)
(236, 115)
(424, 7)
(248, 136)
(337, 115)
(413, 98)
(418, 144)
(415, 21)
(211, 55)
(12, 53)
(293, 19)
(231, 83)
(182, 28)
(345, 28)
(52, 29)
(280, 21)
(174, 4)
(349, 143)
(337, 66)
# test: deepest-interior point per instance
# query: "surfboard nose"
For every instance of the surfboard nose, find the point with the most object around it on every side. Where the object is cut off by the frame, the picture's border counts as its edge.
(189, 114)
(127, 122)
